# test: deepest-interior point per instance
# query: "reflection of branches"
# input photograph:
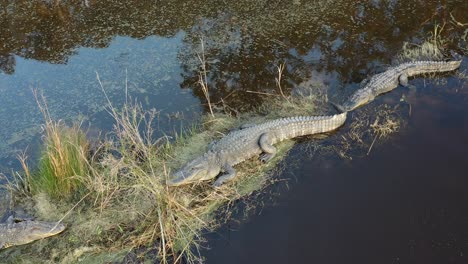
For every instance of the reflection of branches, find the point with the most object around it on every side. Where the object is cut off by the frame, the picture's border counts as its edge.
(240, 63)
(243, 44)
(52, 30)
(457, 22)
(241, 49)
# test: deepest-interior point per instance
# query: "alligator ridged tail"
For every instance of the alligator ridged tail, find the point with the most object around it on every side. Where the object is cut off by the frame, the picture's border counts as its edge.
(420, 67)
(308, 125)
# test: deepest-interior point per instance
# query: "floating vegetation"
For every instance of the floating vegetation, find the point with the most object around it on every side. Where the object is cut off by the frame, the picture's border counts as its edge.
(369, 126)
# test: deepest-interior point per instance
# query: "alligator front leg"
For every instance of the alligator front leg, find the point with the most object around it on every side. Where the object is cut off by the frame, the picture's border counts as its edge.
(229, 174)
(266, 144)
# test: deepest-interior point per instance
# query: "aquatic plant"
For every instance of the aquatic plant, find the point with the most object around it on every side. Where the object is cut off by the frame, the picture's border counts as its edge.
(369, 126)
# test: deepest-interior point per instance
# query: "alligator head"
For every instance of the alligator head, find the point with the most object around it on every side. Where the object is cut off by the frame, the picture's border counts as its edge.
(28, 231)
(358, 99)
(202, 168)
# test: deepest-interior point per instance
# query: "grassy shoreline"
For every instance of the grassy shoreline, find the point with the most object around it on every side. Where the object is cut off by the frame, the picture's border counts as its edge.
(118, 194)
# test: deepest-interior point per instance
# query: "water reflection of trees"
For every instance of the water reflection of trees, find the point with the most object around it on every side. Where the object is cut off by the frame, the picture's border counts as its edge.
(244, 42)
(346, 38)
(52, 30)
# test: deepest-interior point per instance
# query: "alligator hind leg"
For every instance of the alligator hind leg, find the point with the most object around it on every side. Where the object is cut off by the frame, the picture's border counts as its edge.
(403, 80)
(229, 174)
(266, 144)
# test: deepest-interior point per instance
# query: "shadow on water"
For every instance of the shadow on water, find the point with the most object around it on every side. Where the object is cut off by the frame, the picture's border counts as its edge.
(402, 204)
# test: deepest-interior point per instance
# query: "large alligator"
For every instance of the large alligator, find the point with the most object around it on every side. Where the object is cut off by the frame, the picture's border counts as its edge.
(389, 80)
(14, 233)
(248, 142)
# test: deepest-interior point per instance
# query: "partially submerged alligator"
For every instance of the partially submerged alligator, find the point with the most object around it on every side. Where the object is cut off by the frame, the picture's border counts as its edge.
(389, 80)
(14, 233)
(245, 143)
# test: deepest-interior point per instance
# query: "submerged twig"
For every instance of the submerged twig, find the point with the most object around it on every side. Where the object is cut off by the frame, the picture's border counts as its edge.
(69, 211)
(248, 91)
(373, 141)
(457, 22)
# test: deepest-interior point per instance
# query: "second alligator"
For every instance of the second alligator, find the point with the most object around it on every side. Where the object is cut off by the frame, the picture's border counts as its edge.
(389, 80)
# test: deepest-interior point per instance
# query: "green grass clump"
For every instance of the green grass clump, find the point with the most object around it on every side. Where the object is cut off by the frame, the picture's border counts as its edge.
(61, 162)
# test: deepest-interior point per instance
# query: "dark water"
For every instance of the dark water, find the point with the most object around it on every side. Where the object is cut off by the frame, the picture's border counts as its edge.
(404, 203)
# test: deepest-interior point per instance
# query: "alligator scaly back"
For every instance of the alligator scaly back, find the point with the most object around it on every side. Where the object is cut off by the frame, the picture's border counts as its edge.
(389, 80)
(243, 144)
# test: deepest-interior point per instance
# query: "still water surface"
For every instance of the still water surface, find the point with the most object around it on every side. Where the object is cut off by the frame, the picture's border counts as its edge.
(404, 203)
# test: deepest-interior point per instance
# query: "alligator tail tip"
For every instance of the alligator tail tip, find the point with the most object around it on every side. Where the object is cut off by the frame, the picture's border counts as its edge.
(456, 55)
